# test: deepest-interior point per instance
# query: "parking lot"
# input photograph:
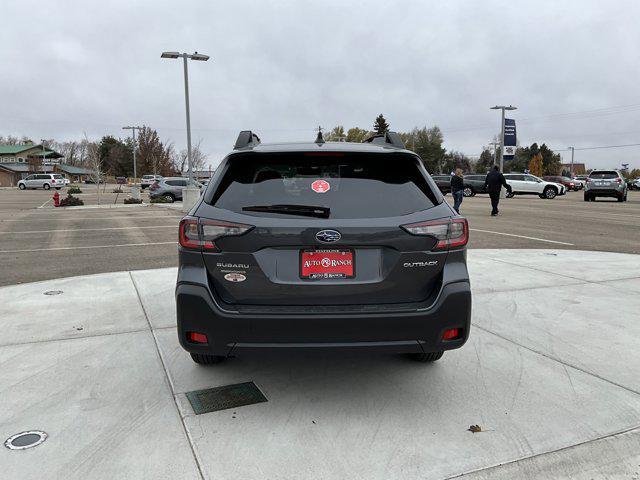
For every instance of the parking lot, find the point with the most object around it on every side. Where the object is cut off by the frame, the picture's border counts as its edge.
(40, 242)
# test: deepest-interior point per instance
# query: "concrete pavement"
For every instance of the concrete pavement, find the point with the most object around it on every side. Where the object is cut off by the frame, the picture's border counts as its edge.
(549, 373)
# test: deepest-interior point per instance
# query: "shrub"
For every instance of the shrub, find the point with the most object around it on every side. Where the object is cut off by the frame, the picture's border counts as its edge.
(159, 200)
(71, 201)
(74, 189)
(132, 200)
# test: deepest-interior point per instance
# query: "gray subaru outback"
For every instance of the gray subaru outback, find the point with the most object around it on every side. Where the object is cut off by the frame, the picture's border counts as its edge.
(322, 245)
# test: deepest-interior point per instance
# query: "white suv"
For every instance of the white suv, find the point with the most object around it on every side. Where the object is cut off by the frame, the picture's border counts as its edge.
(526, 184)
(148, 180)
(42, 180)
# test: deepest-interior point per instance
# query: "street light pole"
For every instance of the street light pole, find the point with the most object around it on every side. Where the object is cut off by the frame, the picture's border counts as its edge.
(571, 167)
(185, 57)
(133, 131)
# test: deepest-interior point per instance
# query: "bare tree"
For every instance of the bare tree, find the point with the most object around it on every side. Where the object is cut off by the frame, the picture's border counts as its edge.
(94, 161)
(198, 159)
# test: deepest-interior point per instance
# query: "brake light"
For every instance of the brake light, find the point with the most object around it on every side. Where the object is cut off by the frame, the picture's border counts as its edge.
(201, 234)
(618, 180)
(449, 233)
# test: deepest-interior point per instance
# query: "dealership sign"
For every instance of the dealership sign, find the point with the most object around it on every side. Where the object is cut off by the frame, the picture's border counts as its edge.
(509, 138)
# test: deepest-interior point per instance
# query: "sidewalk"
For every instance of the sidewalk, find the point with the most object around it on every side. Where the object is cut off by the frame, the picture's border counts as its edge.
(549, 373)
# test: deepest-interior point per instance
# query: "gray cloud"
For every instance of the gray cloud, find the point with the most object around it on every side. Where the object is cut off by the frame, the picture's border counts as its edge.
(282, 68)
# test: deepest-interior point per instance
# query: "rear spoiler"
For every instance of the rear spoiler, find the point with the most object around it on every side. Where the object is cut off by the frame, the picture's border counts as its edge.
(390, 138)
(246, 139)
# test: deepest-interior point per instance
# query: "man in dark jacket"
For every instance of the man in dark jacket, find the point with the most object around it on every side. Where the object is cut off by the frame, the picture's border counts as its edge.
(493, 184)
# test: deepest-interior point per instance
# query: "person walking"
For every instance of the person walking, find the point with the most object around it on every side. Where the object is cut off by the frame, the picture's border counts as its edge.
(457, 189)
(492, 185)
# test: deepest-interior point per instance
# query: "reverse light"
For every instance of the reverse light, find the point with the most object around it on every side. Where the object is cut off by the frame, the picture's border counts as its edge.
(449, 233)
(201, 234)
(196, 337)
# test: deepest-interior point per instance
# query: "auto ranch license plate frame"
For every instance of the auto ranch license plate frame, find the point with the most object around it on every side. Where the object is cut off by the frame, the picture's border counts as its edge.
(337, 253)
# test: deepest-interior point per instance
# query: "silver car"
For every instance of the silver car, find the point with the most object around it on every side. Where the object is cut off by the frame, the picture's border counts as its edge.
(148, 180)
(170, 188)
(605, 183)
(42, 180)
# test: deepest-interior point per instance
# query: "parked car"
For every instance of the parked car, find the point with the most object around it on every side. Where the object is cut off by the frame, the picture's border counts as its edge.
(92, 180)
(526, 184)
(148, 180)
(170, 188)
(568, 183)
(297, 245)
(42, 180)
(634, 184)
(443, 182)
(605, 183)
(474, 184)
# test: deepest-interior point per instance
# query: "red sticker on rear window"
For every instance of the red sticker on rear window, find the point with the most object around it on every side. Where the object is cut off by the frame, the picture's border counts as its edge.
(320, 186)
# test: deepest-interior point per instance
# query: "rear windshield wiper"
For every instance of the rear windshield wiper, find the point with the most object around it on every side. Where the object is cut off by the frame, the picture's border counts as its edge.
(302, 210)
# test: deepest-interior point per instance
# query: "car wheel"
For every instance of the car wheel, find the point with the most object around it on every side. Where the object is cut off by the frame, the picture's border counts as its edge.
(426, 357)
(22, 186)
(550, 193)
(468, 192)
(204, 359)
(46, 186)
(169, 198)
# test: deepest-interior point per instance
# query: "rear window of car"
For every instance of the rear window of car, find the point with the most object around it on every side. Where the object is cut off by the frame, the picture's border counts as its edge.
(351, 185)
(604, 175)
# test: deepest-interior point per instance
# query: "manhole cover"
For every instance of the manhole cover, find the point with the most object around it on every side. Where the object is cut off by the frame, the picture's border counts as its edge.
(23, 440)
(53, 292)
(222, 398)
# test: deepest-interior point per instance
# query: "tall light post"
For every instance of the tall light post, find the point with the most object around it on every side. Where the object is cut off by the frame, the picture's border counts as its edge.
(571, 167)
(133, 131)
(185, 57)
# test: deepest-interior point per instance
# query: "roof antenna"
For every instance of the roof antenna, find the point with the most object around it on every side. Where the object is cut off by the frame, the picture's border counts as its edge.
(319, 138)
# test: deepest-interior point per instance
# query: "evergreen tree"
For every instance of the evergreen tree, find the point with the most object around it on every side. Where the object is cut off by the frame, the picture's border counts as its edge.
(380, 125)
(485, 162)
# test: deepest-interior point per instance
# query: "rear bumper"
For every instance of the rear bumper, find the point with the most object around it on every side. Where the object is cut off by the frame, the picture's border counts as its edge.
(412, 331)
(604, 192)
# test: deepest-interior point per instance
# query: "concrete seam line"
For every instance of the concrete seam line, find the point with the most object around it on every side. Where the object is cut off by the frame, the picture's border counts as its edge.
(88, 247)
(541, 454)
(168, 381)
(520, 236)
(88, 229)
(599, 282)
(556, 359)
(524, 289)
(105, 334)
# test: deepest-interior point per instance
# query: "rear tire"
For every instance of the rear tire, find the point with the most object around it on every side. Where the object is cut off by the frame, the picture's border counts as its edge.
(46, 186)
(169, 198)
(426, 357)
(204, 359)
(22, 186)
(549, 193)
(468, 192)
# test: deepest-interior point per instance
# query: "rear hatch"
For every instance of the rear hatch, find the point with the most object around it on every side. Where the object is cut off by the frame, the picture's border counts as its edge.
(284, 229)
(606, 180)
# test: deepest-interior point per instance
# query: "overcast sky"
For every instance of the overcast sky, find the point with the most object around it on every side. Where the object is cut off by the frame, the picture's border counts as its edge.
(281, 68)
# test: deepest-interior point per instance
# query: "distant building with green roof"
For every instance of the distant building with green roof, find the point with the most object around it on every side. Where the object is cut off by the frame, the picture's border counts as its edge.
(19, 161)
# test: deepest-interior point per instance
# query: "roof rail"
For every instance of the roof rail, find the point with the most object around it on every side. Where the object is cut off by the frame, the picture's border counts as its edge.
(246, 138)
(391, 138)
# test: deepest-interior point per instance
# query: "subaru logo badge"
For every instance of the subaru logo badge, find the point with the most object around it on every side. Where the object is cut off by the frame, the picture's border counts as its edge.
(328, 236)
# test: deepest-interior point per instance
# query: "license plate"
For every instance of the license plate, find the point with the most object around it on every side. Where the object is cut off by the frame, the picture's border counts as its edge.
(325, 264)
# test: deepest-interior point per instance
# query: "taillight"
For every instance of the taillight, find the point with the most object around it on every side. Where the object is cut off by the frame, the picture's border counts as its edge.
(201, 234)
(449, 233)
(618, 180)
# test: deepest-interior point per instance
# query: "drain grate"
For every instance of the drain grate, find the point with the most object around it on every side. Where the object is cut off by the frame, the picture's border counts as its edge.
(223, 398)
(23, 440)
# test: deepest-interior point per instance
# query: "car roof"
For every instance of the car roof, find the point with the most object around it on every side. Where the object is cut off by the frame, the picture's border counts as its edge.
(320, 147)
